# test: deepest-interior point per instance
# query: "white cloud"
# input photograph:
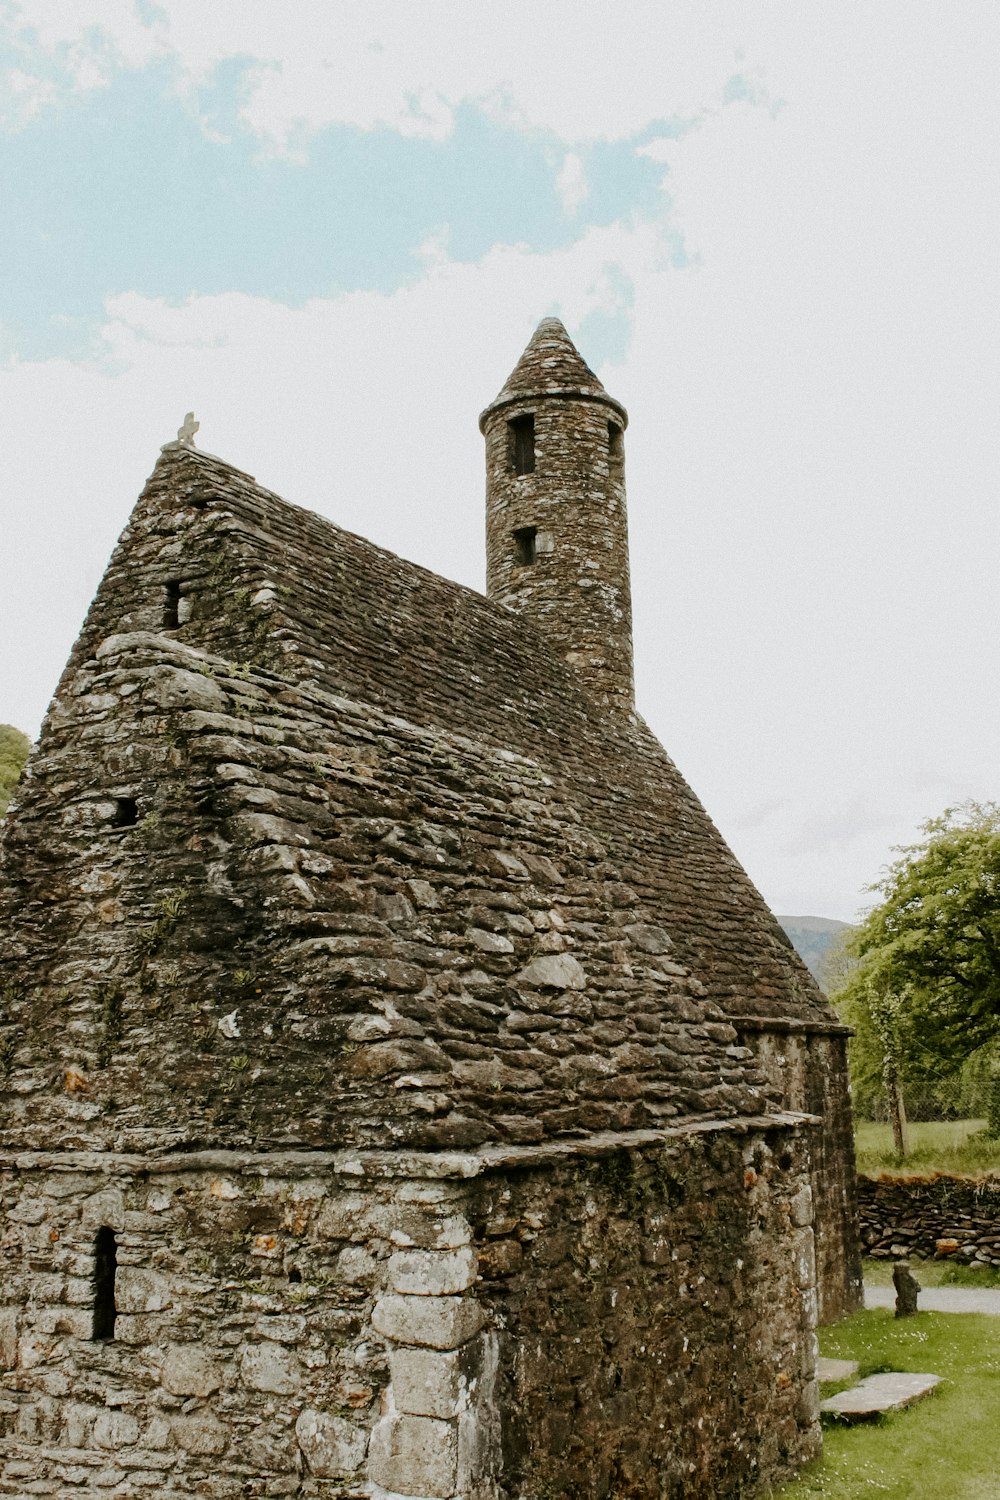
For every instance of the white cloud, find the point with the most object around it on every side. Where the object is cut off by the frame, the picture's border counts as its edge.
(23, 97)
(571, 183)
(558, 66)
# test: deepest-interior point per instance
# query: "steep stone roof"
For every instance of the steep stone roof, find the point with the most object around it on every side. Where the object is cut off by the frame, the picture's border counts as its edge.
(551, 365)
(336, 853)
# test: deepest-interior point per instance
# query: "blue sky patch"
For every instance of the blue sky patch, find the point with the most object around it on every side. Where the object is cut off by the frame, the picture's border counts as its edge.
(123, 188)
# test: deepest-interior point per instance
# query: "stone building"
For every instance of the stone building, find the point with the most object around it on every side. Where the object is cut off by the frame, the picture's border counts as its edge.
(403, 1090)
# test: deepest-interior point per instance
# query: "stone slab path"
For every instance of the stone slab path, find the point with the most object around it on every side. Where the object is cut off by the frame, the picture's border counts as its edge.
(880, 1393)
(830, 1370)
(953, 1299)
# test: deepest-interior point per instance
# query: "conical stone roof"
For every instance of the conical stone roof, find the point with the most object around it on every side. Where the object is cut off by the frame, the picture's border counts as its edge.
(552, 365)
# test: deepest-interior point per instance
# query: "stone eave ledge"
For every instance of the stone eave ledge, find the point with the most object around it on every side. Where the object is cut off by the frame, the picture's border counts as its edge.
(789, 1025)
(420, 1164)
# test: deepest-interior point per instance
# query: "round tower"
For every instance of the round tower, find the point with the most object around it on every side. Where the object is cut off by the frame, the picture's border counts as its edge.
(556, 526)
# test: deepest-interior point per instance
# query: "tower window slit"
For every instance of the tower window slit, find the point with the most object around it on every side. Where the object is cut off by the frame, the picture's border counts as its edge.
(526, 545)
(614, 440)
(171, 604)
(105, 1266)
(126, 812)
(521, 432)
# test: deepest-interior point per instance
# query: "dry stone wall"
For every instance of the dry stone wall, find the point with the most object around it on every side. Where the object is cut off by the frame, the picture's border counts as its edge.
(933, 1217)
(304, 1324)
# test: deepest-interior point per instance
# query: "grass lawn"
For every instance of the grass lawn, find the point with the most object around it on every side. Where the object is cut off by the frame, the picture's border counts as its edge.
(936, 1273)
(935, 1146)
(945, 1445)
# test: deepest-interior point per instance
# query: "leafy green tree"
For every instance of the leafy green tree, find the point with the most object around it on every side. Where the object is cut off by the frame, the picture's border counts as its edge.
(14, 747)
(924, 991)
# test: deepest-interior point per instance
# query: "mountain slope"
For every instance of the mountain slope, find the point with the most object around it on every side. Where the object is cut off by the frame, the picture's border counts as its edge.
(812, 938)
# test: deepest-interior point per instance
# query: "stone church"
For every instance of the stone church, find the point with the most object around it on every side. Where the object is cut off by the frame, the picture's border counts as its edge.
(403, 1090)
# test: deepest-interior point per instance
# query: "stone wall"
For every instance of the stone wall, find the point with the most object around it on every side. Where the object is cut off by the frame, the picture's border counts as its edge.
(572, 505)
(657, 1314)
(630, 1318)
(807, 1063)
(935, 1216)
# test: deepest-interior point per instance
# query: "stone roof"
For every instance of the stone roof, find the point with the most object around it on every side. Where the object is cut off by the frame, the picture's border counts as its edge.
(551, 365)
(348, 859)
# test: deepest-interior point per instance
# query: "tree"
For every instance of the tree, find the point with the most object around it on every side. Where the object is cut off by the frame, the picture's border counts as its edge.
(924, 992)
(14, 747)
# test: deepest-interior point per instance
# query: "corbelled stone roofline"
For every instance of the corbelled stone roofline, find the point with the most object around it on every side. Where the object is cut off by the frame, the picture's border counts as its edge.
(552, 367)
(221, 486)
(362, 777)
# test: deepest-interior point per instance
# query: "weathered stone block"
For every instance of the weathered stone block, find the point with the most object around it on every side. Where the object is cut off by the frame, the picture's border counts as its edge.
(79, 1423)
(172, 687)
(356, 1266)
(188, 1371)
(116, 1429)
(554, 971)
(409, 1227)
(432, 1273)
(801, 1207)
(104, 1208)
(8, 1338)
(283, 1328)
(200, 1433)
(648, 938)
(140, 1291)
(435, 1322)
(415, 1456)
(804, 1254)
(330, 1445)
(139, 1328)
(340, 1217)
(427, 1382)
(489, 942)
(270, 1367)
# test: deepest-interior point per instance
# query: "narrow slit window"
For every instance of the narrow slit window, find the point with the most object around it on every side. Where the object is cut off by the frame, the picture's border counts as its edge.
(105, 1266)
(522, 444)
(171, 605)
(614, 440)
(126, 812)
(526, 545)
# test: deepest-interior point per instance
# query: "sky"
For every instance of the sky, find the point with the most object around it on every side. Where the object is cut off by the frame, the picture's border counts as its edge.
(330, 228)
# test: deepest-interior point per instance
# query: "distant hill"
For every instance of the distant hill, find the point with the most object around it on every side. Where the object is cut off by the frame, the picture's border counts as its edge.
(811, 938)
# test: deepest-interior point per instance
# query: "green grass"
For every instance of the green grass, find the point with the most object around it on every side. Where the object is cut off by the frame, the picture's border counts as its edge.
(935, 1146)
(936, 1273)
(943, 1446)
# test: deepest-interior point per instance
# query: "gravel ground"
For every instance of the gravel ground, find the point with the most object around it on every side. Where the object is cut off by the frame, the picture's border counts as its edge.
(954, 1299)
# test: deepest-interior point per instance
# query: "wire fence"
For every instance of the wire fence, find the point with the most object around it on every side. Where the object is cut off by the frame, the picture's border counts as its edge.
(956, 1098)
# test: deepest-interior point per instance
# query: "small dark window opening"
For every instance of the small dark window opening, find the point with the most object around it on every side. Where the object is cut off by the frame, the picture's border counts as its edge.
(522, 444)
(171, 601)
(295, 1275)
(524, 545)
(126, 812)
(614, 440)
(105, 1266)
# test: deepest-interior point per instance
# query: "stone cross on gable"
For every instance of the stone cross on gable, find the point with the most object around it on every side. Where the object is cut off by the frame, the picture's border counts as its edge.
(187, 430)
